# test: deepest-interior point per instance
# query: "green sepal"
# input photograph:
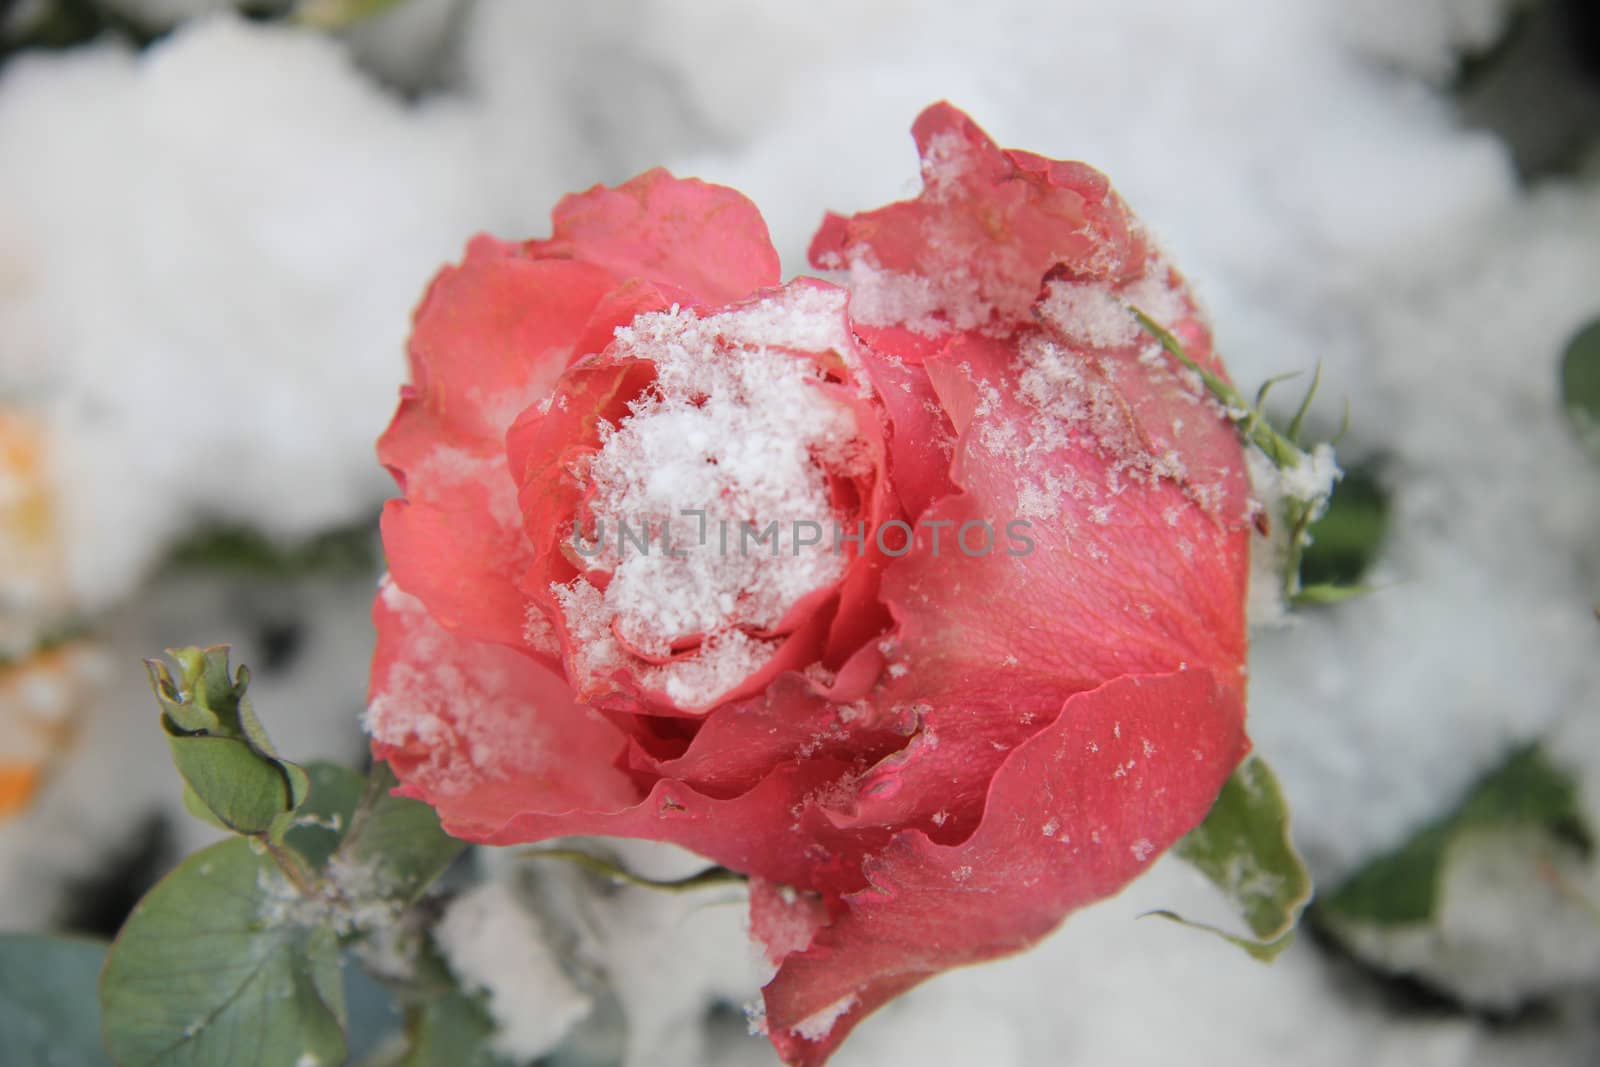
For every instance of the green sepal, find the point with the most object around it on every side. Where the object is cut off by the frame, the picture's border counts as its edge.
(1284, 449)
(1245, 849)
(228, 764)
(217, 965)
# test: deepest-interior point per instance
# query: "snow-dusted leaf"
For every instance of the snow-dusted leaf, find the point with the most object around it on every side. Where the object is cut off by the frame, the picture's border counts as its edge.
(1526, 792)
(1243, 846)
(399, 839)
(214, 966)
(47, 1003)
(233, 775)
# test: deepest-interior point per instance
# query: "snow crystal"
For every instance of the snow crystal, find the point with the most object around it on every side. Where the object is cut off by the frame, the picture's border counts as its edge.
(880, 297)
(1267, 604)
(1074, 397)
(818, 1024)
(1091, 315)
(445, 467)
(496, 946)
(1310, 478)
(460, 718)
(735, 442)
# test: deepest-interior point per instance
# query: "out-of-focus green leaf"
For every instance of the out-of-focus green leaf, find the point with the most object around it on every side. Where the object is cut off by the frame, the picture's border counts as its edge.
(1580, 382)
(241, 550)
(1526, 791)
(48, 1013)
(1244, 848)
(337, 14)
(217, 965)
(1346, 539)
(453, 1029)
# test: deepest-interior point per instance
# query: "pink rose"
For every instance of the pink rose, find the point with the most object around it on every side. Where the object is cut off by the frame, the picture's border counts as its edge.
(985, 665)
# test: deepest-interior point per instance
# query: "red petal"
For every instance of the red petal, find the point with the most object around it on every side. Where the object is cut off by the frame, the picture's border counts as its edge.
(1071, 816)
(921, 438)
(1142, 580)
(491, 336)
(974, 245)
(548, 448)
(704, 240)
(480, 731)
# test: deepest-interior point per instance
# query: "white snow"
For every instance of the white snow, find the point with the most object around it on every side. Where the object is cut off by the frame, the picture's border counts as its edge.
(735, 435)
(816, 1026)
(208, 253)
(464, 716)
(496, 946)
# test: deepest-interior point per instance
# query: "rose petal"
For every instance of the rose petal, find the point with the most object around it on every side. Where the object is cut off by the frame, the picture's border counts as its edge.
(1071, 816)
(491, 337)
(481, 732)
(922, 438)
(707, 241)
(970, 251)
(551, 448)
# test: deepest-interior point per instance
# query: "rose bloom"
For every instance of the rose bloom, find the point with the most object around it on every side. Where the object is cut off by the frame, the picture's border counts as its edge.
(923, 754)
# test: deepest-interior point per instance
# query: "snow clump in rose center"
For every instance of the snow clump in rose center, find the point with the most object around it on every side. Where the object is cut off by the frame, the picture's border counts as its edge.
(733, 452)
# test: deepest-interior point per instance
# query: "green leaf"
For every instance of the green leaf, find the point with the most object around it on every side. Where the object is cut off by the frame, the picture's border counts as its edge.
(48, 1014)
(232, 773)
(320, 824)
(1525, 792)
(1265, 951)
(398, 840)
(1244, 848)
(242, 551)
(453, 1029)
(374, 1022)
(214, 967)
(1580, 381)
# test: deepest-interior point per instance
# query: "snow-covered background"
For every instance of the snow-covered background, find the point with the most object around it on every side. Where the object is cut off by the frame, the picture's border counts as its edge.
(209, 249)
